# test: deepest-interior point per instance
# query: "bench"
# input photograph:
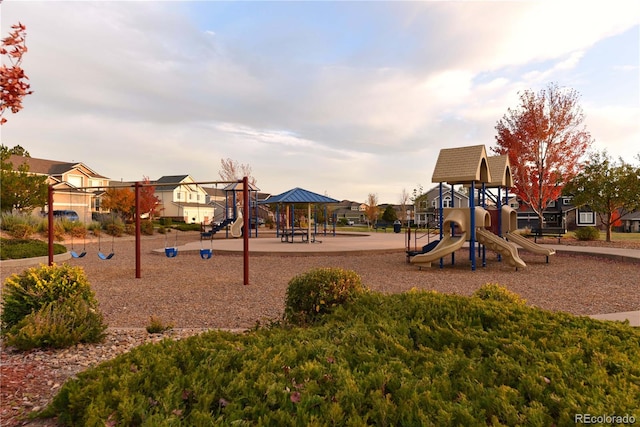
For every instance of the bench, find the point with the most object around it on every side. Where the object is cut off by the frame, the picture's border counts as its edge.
(382, 227)
(548, 231)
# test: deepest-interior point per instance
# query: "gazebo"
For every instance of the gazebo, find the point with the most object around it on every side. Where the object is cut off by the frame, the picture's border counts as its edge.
(300, 195)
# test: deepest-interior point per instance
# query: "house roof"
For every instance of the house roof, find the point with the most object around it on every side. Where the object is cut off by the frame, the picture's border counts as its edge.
(238, 186)
(299, 195)
(49, 167)
(462, 165)
(500, 171)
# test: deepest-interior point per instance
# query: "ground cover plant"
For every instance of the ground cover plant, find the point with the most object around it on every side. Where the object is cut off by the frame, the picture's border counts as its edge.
(27, 248)
(418, 358)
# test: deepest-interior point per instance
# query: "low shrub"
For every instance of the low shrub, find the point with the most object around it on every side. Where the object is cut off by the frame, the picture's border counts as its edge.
(77, 230)
(36, 287)
(495, 292)
(313, 294)
(157, 326)
(166, 222)
(19, 226)
(187, 227)
(587, 233)
(130, 229)
(58, 324)
(27, 248)
(22, 231)
(413, 359)
(115, 229)
(146, 228)
(95, 227)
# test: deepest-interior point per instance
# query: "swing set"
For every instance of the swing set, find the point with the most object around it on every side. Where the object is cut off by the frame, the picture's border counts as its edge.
(205, 253)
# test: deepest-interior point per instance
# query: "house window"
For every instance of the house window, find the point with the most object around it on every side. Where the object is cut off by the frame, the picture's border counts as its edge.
(446, 202)
(586, 218)
(75, 180)
(551, 204)
(566, 200)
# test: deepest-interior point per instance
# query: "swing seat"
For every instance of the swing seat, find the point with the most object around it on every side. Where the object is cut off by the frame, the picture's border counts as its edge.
(206, 253)
(77, 255)
(171, 252)
(105, 257)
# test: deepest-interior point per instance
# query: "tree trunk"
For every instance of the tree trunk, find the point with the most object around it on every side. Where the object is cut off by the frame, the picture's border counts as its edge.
(540, 221)
(608, 238)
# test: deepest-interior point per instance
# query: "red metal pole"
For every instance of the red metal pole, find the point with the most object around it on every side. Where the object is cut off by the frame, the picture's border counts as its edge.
(245, 220)
(50, 223)
(137, 213)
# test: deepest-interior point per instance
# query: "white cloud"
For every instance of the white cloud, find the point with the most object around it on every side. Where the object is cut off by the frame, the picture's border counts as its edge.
(135, 88)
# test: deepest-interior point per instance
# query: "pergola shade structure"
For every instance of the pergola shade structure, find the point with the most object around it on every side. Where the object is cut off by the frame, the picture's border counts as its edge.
(300, 195)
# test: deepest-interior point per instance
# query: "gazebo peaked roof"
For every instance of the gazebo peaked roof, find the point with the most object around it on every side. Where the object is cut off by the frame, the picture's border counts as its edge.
(462, 165)
(500, 170)
(299, 195)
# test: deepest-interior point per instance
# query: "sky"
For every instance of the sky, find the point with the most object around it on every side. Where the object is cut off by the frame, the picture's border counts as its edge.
(344, 99)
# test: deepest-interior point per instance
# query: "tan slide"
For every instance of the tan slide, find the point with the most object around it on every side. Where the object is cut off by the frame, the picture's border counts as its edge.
(236, 227)
(528, 245)
(448, 244)
(497, 244)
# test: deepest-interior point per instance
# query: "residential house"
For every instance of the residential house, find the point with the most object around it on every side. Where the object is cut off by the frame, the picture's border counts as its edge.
(350, 211)
(70, 181)
(560, 214)
(426, 205)
(182, 199)
(631, 222)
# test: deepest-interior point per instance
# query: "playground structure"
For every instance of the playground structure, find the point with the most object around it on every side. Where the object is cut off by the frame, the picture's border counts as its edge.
(470, 166)
(233, 221)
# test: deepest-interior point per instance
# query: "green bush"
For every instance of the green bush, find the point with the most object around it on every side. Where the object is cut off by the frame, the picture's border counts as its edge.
(413, 359)
(95, 227)
(114, 228)
(157, 326)
(27, 248)
(165, 222)
(495, 292)
(187, 227)
(58, 324)
(36, 287)
(146, 228)
(313, 294)
(587, 233)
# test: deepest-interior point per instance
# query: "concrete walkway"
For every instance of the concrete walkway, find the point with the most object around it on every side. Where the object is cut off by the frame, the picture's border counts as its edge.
(381, 242)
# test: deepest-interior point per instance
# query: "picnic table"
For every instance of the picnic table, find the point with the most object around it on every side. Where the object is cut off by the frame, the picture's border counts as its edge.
(289, 235)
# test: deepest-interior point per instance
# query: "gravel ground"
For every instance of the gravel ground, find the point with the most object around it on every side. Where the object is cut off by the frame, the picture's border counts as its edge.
(195, 294)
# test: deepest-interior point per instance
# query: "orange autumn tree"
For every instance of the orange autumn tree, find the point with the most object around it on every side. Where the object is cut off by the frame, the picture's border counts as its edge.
(545, 139)
(148, 199)
(121, 201)
(13, 80)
